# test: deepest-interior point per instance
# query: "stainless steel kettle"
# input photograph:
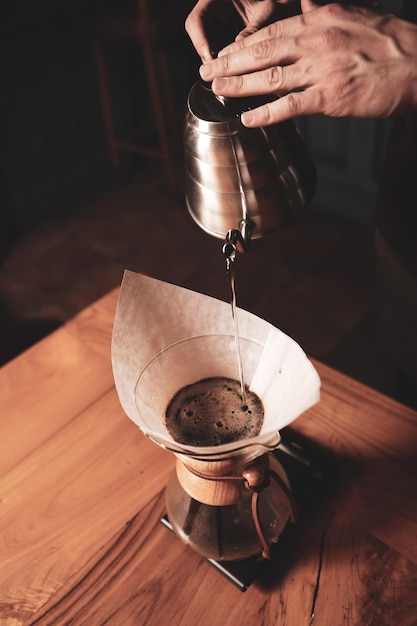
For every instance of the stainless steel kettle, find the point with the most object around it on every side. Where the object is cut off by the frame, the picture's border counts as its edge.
(238, 179)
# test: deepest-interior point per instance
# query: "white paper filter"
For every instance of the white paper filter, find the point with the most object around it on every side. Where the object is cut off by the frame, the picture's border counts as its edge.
(166, 337)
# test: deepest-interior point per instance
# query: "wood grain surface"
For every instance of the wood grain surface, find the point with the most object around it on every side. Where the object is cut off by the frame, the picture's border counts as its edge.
(82, 495)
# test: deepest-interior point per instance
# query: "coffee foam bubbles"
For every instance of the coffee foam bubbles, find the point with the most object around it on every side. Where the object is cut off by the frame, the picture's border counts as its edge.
(210, 412)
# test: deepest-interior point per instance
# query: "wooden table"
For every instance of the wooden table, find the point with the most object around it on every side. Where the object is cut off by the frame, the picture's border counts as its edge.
(82, 494)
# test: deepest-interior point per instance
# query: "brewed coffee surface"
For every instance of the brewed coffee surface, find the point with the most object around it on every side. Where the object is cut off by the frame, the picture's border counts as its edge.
(210, 412)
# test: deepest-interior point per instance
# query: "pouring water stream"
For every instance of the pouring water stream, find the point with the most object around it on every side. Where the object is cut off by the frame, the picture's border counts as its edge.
(229, 250)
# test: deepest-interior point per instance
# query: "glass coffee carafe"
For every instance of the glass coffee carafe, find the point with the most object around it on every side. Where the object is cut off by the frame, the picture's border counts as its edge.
(226, 502)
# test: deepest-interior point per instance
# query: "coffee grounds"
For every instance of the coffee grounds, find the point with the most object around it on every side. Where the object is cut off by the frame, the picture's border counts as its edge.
(210, 412)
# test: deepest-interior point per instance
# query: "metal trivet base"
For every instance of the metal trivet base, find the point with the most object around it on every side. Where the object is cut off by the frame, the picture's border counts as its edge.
(311, 472)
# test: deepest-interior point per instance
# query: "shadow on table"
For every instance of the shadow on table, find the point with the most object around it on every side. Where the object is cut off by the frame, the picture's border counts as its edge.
(316, 478)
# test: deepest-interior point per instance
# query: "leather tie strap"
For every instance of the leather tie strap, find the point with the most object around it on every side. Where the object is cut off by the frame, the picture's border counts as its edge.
(256, 476)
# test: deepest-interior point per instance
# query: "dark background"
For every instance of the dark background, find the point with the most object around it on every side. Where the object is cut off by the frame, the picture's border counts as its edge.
(52, 140)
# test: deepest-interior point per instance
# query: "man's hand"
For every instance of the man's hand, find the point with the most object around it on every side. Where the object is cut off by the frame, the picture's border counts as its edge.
(336, 60)
(214, 20)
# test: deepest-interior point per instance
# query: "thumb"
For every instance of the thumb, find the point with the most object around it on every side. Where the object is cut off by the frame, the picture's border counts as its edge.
(262, 13)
